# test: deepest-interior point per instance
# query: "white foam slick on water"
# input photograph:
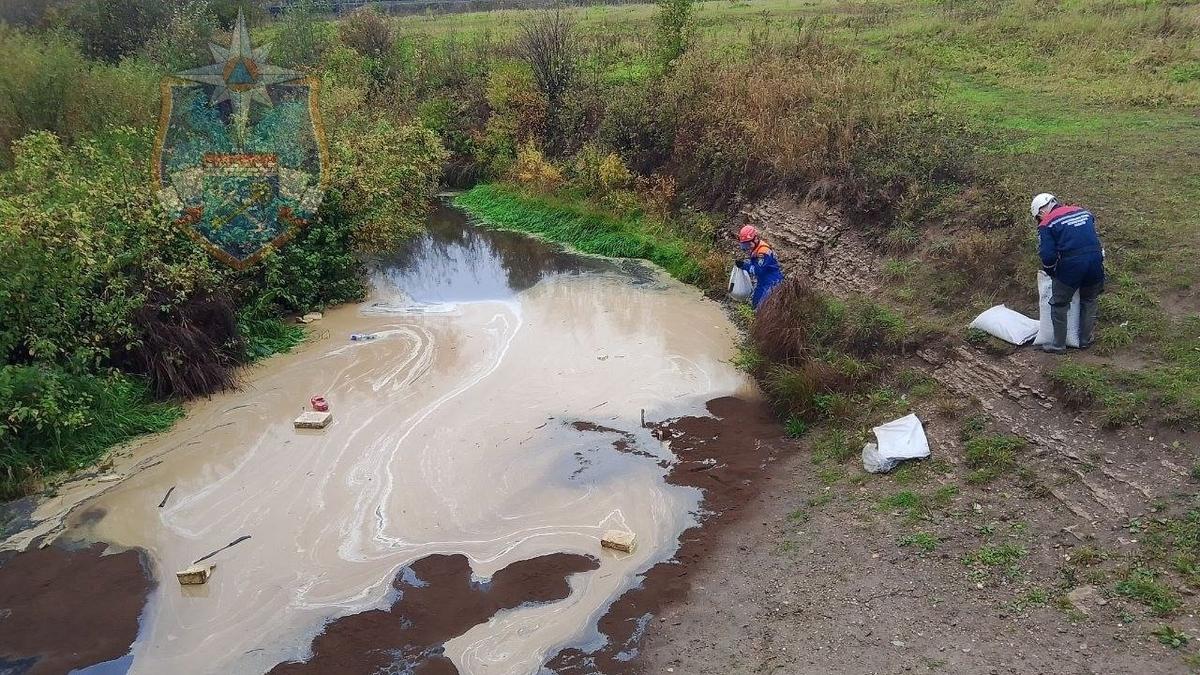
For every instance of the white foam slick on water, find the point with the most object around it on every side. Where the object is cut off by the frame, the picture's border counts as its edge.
(452, 434)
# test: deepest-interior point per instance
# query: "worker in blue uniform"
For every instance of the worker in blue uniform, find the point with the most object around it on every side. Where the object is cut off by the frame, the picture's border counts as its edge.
(1073, 256)
(760, 263)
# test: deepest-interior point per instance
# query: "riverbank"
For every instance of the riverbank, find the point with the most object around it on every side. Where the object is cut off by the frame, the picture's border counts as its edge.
(1036, 514)
(457, 437)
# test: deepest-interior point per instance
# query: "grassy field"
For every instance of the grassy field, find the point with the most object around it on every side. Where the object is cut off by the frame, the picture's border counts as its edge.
(1094, 101)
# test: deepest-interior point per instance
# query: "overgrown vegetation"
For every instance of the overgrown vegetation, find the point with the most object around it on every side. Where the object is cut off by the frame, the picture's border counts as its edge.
(109, 314)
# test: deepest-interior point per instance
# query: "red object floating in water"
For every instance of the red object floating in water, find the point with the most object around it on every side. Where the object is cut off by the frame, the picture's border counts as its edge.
(319, 404)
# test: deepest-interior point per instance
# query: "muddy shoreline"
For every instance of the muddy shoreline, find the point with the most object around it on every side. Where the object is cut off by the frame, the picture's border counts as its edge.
(436, 600)
(728, 457)
(63, 608)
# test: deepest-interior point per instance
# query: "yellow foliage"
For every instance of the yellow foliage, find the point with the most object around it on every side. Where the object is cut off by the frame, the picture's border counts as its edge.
(598, 172)
(532, 169)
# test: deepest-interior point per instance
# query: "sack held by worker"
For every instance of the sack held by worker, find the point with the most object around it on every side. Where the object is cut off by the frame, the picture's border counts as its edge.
(760, 263)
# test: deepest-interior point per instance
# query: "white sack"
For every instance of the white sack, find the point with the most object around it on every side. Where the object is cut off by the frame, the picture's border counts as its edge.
(873, 462)
(1045, 334)
(740, 286)
(902, 439)
(1006, 324)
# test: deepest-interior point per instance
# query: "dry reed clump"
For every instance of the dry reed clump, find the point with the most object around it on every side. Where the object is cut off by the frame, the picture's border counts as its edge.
(782, 326)
(189, 350)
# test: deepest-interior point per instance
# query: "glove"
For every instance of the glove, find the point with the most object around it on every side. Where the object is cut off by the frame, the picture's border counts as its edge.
(742, 264)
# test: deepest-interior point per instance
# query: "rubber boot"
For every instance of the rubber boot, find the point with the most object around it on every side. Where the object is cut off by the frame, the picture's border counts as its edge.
(1087, 322)
(1058, 317)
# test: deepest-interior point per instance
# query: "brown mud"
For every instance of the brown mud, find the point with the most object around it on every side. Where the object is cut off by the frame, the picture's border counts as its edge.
(62, 609)
(727, 456)
(436, 600)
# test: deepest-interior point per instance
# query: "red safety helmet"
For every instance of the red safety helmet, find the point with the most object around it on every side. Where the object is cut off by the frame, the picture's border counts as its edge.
(748, 233)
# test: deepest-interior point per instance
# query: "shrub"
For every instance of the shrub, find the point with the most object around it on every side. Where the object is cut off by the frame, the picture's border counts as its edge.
(548, 44)
(367, 32)
(674, 28)
(226, 11)
(532, 169)
(182, 41)
(598, 173)
(795, 391)
(47, 85)
(384, 176)
(56, 421)
(187, 349)
(112, 29)
(86, 246)
(517, 116)
(302, 37)
(795, 322)
(783, 326)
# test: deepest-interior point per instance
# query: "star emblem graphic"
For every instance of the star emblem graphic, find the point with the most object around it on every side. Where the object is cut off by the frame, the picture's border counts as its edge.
(241, 73)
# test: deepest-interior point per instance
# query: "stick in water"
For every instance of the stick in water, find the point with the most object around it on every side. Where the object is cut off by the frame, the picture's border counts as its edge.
(235, 542)
(166, 497)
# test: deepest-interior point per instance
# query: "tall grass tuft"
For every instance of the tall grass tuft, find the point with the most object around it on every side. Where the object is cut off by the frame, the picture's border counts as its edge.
(56, 421)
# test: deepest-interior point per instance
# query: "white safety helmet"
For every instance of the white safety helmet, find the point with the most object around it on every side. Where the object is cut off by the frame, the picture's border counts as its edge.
(1040, 202)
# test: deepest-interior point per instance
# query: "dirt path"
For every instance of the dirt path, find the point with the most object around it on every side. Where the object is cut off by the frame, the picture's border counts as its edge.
(1074, 562)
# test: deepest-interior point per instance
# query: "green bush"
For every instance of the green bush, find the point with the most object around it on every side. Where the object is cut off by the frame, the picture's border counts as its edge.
(86, 246)
(55, 421)
(301, 38)
(47, 85)
(181, 42)
(112, 29)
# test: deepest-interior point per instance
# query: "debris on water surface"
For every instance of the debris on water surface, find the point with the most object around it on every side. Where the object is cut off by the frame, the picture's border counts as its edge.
(362, 337)
(312, 419)
(109, 477)
(618, 540)
(319, 404)
(166, 497)
(231, 544)
(311, 317)
(195, 575)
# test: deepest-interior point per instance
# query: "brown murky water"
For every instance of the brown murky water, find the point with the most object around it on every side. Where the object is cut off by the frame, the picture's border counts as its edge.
(495, 418)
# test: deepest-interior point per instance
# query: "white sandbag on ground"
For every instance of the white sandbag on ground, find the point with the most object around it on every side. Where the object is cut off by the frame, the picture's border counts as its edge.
(897, 441)
(1007, 324)
(1046, 328)
(740, 286)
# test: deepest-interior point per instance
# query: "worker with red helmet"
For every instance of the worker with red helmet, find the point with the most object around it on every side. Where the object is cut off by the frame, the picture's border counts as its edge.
(760, 263)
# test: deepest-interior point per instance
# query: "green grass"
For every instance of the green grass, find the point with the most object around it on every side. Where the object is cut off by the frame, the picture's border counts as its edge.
(997, 555)
(112, 410)
(991, 455)
(1170, 637)
(836, 445)
(266, 336)
(795, 427)
(590, 231)
(915, 506)
(921, 540)
(1145, 586)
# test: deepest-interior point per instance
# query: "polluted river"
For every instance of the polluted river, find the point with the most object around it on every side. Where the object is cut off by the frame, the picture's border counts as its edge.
(485, 435)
